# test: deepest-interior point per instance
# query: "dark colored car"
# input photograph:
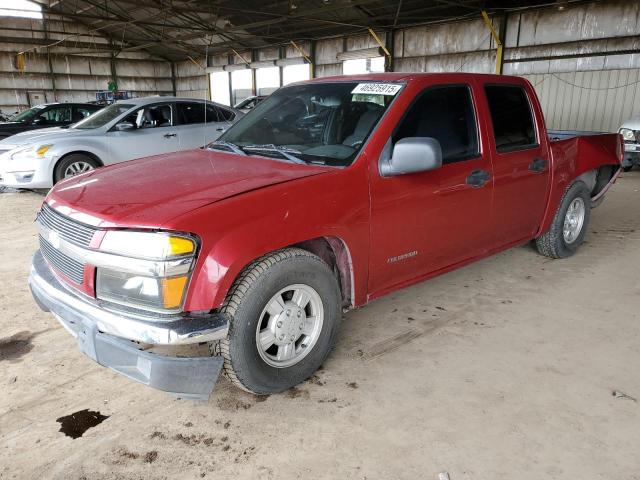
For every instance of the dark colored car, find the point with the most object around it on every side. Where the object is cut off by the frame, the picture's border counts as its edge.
(47, 115)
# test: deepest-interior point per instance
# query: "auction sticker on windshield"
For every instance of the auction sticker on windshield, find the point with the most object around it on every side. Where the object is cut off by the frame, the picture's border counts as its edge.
(377, 88)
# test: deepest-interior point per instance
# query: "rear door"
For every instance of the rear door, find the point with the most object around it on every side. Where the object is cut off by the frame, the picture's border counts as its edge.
(424, 222)
(200, 123)
(521, 160)
(225, 118)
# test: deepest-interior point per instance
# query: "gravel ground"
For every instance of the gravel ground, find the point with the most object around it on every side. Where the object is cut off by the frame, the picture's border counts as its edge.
(516, 367)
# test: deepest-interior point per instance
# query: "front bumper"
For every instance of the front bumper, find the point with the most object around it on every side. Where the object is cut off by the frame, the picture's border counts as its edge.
(26, 173)
(116, 340)
(631, 154)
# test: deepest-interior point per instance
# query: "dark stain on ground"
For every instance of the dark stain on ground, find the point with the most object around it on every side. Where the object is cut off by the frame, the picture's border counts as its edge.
(15, 346)
(76, 424)
(316, 380)
(295, 392)
(151, 456)
(353, 385)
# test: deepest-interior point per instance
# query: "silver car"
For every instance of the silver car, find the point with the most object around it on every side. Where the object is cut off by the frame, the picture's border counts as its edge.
(123, 131)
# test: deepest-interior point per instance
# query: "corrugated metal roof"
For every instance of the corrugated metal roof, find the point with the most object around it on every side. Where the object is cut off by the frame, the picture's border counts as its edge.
(179, 29)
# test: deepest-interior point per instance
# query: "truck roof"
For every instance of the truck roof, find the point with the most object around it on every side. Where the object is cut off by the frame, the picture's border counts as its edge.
(399, 76)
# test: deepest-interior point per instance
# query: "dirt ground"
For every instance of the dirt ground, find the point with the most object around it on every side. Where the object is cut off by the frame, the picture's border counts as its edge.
(506, 369)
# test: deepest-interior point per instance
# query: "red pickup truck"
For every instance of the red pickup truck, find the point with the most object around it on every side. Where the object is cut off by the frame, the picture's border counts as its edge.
(330, 193)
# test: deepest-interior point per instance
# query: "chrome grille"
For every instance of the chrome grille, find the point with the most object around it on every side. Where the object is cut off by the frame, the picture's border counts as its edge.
(68, 266)
(72, 231)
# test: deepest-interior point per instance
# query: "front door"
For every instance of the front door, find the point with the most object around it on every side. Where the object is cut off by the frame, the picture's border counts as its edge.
(425, 222)
(154, 134)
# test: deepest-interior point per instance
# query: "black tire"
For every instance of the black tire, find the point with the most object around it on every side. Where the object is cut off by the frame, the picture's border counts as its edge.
(247, 298)
(552, 244)
(74, 158)
(627, 169)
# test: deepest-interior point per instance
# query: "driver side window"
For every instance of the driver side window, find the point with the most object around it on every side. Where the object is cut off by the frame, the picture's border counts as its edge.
(152, 116)
(445, 113)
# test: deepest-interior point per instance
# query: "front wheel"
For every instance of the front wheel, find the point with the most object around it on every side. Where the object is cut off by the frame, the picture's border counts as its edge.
(284, 311)
(73, 165)
(569, 225)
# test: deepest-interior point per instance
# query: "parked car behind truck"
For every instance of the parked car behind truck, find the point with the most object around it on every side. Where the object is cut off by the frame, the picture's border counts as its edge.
(630, 131)
(123, 131)
(329, 194)
(46, 116)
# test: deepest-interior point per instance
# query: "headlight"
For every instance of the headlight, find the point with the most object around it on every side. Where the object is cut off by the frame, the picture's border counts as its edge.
(162, 291)
(160, 246)
(33, 151)
(628, 134)
(149, 293)
(41, 150)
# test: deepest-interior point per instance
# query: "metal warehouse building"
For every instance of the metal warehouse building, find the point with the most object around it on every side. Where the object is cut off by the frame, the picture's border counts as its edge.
(319, 239)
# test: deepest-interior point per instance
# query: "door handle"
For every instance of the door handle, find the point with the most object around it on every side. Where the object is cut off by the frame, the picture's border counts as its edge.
(478, 178)
(169, 135)
(538, 165)
(220, 129)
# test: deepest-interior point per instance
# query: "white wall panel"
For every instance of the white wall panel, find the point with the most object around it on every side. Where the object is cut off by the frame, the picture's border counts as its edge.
(594, 100)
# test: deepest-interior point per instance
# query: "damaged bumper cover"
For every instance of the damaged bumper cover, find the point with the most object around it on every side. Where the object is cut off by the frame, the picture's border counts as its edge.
(115, 339)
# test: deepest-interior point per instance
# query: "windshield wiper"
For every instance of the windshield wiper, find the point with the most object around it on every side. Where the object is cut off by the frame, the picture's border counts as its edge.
(285, 152)
(231, 146)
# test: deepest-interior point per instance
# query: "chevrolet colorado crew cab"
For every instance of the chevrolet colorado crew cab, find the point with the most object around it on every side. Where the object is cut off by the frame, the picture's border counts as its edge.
(327, 195)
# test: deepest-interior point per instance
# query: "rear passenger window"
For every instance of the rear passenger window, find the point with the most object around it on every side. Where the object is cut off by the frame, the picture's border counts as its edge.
(191, 113)
(513, 127)
(446, 114)
(225, 115)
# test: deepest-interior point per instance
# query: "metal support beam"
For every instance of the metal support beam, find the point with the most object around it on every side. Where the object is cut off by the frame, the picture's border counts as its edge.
(312, 54)
(173, 78)
(45, 26)
(496, 39)
(112, 65)
(389, 39)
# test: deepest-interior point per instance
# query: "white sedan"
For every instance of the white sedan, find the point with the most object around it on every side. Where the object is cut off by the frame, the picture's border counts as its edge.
(123, 131)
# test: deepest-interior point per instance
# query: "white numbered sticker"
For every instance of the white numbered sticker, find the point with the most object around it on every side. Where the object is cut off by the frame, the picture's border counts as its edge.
(377, 88)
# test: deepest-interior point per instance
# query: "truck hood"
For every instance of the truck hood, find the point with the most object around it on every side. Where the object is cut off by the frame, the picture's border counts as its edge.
(149, 192)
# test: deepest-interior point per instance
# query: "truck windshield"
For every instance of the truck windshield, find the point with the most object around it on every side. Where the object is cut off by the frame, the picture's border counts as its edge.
(322, 123)
(104, 116)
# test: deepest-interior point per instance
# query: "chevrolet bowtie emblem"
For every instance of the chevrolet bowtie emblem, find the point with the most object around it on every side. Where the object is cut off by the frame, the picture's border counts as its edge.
(54, 239)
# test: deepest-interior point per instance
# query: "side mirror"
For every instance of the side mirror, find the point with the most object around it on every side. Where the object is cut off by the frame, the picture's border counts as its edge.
(39, 121)
(410, 155)
(124, 126)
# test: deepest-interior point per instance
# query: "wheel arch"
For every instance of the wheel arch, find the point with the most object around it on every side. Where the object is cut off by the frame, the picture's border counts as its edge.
(91, 155)
(332, 250)
(335, 253)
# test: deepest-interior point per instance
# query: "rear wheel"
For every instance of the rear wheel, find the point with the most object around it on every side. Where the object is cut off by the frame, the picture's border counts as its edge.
(284, 313)
(73, 165)
(627, 169)
(569, 225)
